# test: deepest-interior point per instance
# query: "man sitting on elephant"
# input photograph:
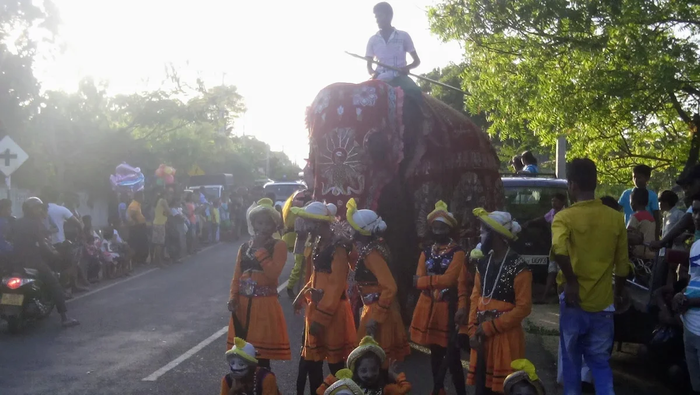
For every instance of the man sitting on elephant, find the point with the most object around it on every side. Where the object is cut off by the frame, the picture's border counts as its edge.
(390, 46)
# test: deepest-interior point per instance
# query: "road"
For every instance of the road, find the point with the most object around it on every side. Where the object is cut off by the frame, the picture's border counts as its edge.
(161, 331)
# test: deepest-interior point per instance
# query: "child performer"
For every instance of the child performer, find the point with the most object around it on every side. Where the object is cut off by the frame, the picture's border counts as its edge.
(330, 328)
(439, 268)
(524, 381)
(500, 301)
(246, 376)
(365, 362)
(256, 311)
(381, 317)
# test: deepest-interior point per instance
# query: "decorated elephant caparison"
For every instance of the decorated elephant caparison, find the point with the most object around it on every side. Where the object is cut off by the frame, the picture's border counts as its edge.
(399, 157)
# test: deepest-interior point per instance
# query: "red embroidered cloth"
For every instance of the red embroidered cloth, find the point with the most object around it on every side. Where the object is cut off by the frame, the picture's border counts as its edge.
(355, 142)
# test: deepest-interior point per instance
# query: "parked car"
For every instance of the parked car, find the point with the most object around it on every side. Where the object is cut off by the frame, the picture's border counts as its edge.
(528, 198)
(283, 190)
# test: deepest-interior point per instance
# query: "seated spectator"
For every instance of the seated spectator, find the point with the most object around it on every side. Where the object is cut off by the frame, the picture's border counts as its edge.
(668, 201)
(529, 163)
(642, 223)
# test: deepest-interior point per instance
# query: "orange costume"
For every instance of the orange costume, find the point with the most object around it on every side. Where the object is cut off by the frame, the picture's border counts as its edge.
(378, 292)
(257, 308)
(439, 269)
(501, 299)
(332, 311)
(376, 284)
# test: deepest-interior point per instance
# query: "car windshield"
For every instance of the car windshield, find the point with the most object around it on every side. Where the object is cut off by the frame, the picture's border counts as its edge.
(526, 203)
(283, 191)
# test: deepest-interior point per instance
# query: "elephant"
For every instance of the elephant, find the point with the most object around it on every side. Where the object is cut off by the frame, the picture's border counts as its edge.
(399, 155)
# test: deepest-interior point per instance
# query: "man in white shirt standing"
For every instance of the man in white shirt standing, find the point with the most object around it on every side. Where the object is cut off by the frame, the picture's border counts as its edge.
(59, 215)
(390, 46)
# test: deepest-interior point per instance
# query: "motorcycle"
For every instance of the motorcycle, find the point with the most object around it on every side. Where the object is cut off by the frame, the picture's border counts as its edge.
(23, 298)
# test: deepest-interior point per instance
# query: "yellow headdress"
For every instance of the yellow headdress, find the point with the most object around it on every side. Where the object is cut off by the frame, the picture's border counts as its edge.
(367, 344)
(344, 385)
(441, 214)
(317, 211)
(524, 371)
(499, 221)
(267, 206)
(365, 222)
(242, 349)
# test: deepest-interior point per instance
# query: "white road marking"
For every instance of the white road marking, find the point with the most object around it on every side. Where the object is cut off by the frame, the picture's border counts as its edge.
(192, 351)
(126, 279)
(282, 286)
(154, 376)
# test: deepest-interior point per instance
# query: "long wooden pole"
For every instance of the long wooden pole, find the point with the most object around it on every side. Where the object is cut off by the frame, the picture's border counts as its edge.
(420, 77)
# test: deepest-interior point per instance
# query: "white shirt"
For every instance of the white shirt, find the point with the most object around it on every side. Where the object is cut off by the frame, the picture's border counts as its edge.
(391, 53)
(691, 318)
(59, 215)
(671, 218)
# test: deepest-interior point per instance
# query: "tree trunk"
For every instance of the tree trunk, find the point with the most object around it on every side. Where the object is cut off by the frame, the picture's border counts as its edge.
(694, 152)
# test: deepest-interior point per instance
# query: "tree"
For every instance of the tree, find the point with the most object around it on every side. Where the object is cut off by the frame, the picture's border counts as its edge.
(21, 22)
(75, 140)
(619, 79)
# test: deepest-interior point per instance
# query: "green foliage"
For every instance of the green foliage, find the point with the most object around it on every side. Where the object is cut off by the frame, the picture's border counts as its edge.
(619, 79)
(507, 146)
(76, 139)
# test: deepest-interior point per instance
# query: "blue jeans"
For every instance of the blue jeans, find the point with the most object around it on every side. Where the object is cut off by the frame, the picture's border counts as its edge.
(587, 335)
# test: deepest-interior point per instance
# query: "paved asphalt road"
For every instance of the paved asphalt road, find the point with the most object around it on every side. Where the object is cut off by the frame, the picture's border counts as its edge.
(133, 329)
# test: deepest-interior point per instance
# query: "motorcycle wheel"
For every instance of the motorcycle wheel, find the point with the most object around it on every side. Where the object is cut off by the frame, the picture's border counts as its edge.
(15, 324)
(48, 305)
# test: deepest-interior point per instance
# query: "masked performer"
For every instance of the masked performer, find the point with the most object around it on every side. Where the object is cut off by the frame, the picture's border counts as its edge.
(500, 301)
(381, 317)
(246, 377)
(330, 329)
(439, 268)
(256, 312)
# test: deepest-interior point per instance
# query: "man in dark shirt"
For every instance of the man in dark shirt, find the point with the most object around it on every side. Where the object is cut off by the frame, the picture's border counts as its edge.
(30, 241)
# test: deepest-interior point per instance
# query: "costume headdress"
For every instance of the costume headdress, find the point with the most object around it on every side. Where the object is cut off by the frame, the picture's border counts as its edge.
(242, 349)
(344, 385)
(367, 344)
(524, 371)
(366, 222)
(442, 215)
(500, 222)
(264, 205)
(317, 211)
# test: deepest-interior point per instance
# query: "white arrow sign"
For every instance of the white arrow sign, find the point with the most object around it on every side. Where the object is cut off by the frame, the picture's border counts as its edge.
(11, 156)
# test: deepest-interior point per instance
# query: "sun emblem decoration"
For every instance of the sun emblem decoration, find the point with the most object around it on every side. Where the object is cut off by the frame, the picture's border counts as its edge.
(340, 160)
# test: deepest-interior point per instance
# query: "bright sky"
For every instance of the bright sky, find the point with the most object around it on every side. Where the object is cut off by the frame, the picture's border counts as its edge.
(279, 53)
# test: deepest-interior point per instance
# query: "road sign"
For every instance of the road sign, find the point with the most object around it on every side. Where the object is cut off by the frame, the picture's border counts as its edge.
(11, 156)
(196, 171)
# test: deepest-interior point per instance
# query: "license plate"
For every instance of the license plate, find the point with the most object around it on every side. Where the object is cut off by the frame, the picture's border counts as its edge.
(12, 299)
(536, 260)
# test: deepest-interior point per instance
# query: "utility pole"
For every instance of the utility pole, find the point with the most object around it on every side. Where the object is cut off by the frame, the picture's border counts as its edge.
(267, 163)
(561, 157)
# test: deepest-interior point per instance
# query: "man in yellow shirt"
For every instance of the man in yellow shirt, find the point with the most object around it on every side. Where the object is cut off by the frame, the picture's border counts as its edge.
(138, 230)
(162, 212)
(589, 243)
